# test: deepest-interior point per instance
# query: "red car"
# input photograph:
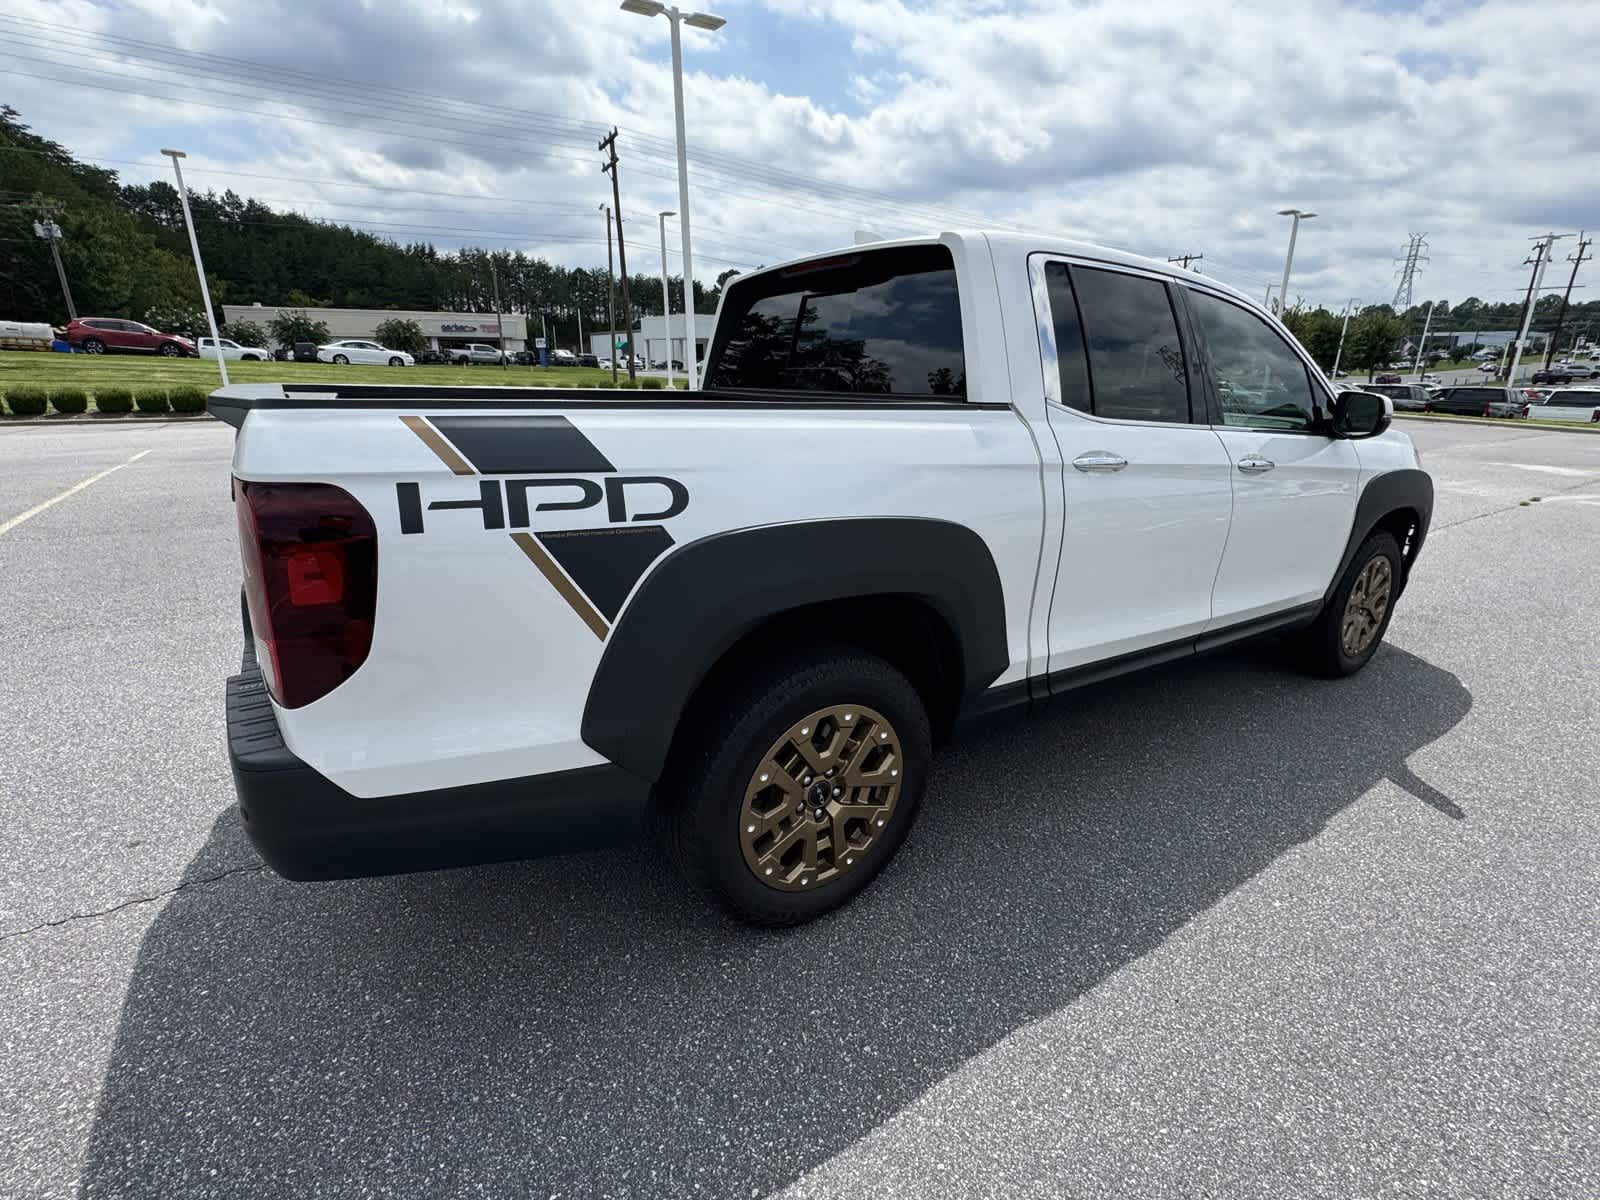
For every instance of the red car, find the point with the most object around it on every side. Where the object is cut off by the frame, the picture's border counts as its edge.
(111, 335)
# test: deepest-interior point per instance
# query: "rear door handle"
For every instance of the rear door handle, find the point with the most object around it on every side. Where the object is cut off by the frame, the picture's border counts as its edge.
(1254, 464)
(1099, 460)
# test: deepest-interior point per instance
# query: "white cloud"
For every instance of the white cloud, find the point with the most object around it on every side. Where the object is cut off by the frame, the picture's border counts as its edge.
(1164, 127)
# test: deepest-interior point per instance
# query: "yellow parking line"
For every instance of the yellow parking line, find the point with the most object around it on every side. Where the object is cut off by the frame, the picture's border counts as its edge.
(77, 487)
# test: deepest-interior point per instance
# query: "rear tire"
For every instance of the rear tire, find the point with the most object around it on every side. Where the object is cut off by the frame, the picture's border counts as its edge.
(822, 838)
(1348, 631)
(341, 360)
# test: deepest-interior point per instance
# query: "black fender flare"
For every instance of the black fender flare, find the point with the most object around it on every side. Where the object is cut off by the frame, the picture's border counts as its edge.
(1387, 493)
(704, 597)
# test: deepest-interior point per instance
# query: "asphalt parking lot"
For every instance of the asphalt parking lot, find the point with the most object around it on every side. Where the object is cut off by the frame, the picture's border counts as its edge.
(1217, 931)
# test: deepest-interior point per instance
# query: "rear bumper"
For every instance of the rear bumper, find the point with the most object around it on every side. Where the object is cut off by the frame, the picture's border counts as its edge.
(307, 827)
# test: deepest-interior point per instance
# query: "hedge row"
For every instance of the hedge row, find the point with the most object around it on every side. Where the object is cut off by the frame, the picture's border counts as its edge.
(33, 401)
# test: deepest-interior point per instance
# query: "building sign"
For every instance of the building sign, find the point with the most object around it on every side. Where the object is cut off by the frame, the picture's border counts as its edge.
(489, 327)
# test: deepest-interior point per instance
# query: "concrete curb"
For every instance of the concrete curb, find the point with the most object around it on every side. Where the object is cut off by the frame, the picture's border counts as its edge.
(118, 419)
(1501, 422)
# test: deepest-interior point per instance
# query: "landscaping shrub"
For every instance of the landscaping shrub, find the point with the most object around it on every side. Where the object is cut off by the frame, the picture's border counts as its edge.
(187, 399)
(69, 400)
(149, 401)
(26, 401)
(653, 384)
(113, 400)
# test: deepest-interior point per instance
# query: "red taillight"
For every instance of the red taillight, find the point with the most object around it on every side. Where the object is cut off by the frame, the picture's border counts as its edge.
(1525, 409)
(311, 584)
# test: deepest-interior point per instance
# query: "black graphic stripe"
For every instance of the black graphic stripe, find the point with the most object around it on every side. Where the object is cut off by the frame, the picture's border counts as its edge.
(606, 563)
(522, 444)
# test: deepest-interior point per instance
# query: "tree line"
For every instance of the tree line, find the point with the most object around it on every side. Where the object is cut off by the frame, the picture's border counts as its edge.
(126, 254)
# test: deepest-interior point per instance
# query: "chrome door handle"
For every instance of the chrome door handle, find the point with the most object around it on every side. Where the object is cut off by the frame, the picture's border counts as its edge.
(1254, 464)
(1099, 460)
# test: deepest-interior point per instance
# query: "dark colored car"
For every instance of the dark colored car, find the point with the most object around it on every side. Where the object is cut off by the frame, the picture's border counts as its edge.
(1480, 402)
(432, 356)
(112, 335)
(305, 352)
(525, 358)
(1387, 379)
(588, 360)
(1407, 397)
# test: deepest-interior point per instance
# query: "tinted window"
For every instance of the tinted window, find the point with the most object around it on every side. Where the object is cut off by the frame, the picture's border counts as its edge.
(881, 322)
(1072, 362)
(1575, 399)
(1478, 395)
(1136, 365)
(1261, 382)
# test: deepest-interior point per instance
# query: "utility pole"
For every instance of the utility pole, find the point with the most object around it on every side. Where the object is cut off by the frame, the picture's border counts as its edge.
(1343, 329)
(1186, 259)
(499, 321)
(47, 229)
(1541, 256)
(1416, 367)
(1413, 261)
(609, 142)
(611, 300)
(1266, 301)
(1577, 261)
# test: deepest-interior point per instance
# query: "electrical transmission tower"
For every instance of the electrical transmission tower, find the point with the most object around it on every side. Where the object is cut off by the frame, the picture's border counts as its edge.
(1414, 259)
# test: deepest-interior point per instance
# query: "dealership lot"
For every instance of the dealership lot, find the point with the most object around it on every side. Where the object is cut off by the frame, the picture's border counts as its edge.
(1219, 930)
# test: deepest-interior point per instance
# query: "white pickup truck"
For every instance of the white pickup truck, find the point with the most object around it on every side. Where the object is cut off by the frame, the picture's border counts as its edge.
(927, 483)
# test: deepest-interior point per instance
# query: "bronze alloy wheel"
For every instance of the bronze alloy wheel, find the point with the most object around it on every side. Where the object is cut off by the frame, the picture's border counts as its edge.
(1368, 603)
(820, 797)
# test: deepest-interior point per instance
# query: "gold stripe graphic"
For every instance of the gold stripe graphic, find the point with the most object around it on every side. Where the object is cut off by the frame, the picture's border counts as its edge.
(558, 580)
(430, 438)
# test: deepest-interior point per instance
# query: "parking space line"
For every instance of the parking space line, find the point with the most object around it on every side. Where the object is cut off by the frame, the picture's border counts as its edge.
(8, 526)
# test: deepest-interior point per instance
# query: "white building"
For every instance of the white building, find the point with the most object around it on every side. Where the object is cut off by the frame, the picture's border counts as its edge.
(509, 331)
(650, 339)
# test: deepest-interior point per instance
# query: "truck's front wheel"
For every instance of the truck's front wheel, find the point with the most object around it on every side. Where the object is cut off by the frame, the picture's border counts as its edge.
(797, 783)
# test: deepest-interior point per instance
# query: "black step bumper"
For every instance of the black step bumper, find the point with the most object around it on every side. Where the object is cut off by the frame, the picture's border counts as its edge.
(307, 827)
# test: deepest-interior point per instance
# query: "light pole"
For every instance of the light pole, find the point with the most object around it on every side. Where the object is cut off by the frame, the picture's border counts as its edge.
(654, 8)
(199, 267)
(666, 296)
(1416, 367)
(1288, 262)
(1266, 301)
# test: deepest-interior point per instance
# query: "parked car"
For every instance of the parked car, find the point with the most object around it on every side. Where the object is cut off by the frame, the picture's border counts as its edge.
(1429, 378)
(231, 350)
(476, 354)
(588, 360)
(1565, 372)
(722, 619)
(1568, 404)
(604, 364)
(1407, 397)
(563, 358)
(355, 350)
(305, 352)
(525, 358)
(112, 335)
(1475, 401)
(431, 357)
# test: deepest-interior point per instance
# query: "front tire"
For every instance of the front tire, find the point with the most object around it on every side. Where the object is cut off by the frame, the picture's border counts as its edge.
(796, 783)
(397, 361)
(93, 346)
(1347, 632)
(168, 350)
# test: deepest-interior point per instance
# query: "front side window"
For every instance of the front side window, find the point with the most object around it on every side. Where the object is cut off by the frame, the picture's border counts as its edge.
(1261, 382)
(1130, 333)
(879, 322)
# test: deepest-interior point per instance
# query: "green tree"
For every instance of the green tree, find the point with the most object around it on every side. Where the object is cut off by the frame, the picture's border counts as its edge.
(293, 326)
(248, 333)
(1317, 330)
(399, 334)
(176, 318)
(1372, 339)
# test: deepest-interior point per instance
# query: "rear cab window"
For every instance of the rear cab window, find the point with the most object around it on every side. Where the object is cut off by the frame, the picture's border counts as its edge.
(875, 323)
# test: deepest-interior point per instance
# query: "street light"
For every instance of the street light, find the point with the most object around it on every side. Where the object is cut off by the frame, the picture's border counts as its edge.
(654, 8)
(666, 296)
(1283, 288)
(199, 267)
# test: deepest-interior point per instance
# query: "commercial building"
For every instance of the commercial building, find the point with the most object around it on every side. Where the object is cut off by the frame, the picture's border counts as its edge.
(509, 331)
(651, 338)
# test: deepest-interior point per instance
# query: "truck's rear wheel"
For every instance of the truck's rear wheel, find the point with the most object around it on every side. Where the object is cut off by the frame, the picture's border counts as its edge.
(1347, 632)
(797, 784)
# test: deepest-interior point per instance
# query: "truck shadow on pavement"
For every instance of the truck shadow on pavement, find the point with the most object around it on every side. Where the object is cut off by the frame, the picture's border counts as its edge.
(582, 1026)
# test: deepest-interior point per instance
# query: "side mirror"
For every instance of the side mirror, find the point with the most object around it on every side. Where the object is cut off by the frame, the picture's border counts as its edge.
(1361, 414)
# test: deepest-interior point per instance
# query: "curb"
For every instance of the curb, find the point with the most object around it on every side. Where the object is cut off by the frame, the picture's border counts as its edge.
(119, 419)
(1502, 423)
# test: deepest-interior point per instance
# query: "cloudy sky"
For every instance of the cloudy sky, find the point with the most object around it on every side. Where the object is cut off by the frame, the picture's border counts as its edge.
(1164, 127)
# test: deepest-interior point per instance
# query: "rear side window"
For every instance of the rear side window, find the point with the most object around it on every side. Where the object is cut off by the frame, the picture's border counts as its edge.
(1478, 394)
(1261, 382)
(879, 323)
(1130, 333)
(1575, 399)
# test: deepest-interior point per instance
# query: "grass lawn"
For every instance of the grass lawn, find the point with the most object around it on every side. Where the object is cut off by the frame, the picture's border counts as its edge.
(21, 368)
